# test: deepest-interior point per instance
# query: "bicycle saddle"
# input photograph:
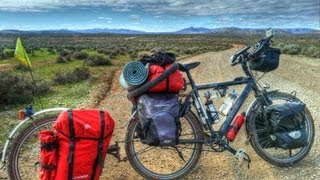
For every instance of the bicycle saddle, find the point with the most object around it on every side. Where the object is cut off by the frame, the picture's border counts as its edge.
(187, 67)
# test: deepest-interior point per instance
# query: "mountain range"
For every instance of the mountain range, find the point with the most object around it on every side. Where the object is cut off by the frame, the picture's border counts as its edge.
(189, 30)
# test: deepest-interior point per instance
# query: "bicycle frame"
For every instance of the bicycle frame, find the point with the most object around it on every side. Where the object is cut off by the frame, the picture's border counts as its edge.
(201, 111)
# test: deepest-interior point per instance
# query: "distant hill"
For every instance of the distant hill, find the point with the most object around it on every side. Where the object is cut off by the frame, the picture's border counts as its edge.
(236, 30)
(112, 31)
(189, 30)
(193, 30)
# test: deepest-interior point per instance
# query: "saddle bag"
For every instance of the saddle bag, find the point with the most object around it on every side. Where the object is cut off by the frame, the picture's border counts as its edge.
(158, 113)
(288, 125)
(83, 137)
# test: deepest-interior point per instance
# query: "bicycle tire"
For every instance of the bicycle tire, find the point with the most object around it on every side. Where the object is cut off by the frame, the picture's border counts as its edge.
(147, 173)
(144, 88)
(14, 171)
(262, 152)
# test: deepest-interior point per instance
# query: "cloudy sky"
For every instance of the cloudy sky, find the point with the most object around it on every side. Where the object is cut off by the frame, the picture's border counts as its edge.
(157, 15)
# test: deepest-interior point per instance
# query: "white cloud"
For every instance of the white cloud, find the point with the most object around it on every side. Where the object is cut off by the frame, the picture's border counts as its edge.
(183, 7)
(287, 10)
(134, 16)
(105, 18)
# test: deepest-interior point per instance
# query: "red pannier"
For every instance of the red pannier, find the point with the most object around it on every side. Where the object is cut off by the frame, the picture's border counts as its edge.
(83, 137)
(48, 155)
(173, 84)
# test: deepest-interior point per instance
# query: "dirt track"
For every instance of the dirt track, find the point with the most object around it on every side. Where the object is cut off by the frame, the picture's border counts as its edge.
(294, 74)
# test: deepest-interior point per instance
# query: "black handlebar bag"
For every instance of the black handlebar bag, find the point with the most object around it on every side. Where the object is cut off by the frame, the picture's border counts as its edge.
(266, 61)
(288, 125)
(158, 115)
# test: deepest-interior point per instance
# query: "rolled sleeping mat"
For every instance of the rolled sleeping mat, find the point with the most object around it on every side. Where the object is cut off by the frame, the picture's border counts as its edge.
(143, 89)
(134, 74)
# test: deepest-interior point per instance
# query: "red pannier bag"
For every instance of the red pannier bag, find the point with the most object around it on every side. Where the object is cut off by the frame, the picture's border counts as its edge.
(173, 84)
(83, 137)
(48, 155)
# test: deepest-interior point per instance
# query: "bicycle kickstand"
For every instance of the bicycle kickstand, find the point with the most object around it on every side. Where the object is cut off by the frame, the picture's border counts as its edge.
(241, 154)
(115, 151)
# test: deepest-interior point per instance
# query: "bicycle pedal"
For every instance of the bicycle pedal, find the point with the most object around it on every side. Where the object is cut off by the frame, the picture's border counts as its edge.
(241, 154)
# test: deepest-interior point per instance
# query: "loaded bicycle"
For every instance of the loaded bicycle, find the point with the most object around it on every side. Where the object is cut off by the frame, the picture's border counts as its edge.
(282, 143)
(196, 129)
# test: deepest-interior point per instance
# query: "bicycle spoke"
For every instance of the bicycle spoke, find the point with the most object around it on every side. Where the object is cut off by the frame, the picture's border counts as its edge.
(145, 150)
(259, 131)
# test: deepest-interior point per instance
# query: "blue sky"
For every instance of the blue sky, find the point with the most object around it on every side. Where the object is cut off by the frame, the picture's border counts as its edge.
(157, 15)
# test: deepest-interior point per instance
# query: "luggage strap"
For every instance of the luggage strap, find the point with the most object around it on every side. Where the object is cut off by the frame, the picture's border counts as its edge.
(99, 158)
(50, 146)
(71, 147)
(48, 167)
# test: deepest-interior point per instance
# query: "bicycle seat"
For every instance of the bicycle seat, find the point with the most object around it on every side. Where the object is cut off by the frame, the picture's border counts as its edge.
(187, 67)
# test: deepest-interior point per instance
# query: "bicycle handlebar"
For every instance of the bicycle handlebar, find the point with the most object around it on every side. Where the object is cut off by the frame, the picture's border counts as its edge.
(243, 54)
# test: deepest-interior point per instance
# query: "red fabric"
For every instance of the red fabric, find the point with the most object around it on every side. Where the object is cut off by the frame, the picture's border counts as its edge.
(48, 157)
(176, 82)
(87, 133)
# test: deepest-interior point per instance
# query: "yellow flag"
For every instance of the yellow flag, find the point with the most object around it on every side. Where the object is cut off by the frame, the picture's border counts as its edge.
(21, 54)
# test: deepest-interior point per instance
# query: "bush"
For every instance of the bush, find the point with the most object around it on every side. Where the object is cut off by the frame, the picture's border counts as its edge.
(65, 53)
(21, 67)
(16, 89)
(63, 59)
(8, 54)
(312, 51)
(292, 49)
(97, 60)
(77, 75)
(80, 55)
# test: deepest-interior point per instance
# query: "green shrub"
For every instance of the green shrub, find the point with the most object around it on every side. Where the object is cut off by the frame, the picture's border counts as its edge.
(80, 55)
(16, 89)
(8, 54)
(21, 67)
(65, 53)
(312, 51)
(292, 49)
(61, 59)
(77, 75)
(97, 60)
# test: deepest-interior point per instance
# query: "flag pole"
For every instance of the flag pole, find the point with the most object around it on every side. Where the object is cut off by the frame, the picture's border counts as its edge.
(35, 88)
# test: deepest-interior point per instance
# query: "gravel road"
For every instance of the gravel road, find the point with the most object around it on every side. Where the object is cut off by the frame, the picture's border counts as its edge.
(295, 73)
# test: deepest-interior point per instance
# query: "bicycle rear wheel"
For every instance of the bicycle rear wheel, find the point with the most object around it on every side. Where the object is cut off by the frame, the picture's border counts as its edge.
(260, 139)
(25, 150)
(165, 162)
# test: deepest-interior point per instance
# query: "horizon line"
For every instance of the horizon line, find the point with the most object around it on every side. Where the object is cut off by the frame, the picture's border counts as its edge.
(161, 31)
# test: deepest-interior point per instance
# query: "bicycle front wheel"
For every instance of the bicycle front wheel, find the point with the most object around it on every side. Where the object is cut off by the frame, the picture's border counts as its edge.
(260, 138)
(25, 150)
(154, 162)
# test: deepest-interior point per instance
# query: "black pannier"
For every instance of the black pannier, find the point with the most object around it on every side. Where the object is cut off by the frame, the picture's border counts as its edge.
(266, 61)
(158, 114)
(288, 125)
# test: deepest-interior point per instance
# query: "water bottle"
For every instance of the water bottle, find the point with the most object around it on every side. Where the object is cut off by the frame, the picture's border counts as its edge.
(235, 127)
(228, 103)
(211, 110)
